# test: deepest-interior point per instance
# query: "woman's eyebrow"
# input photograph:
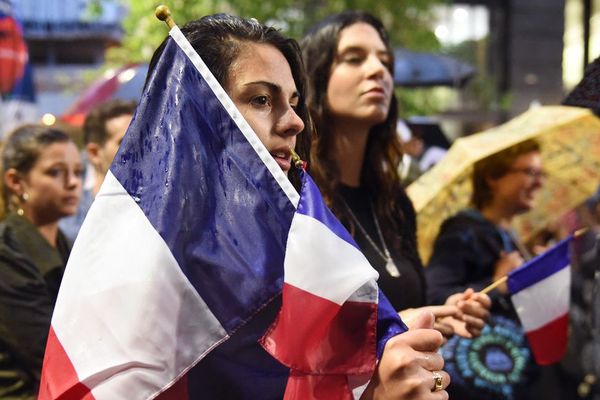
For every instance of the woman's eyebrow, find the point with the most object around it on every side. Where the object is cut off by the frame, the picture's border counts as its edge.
(272, 87)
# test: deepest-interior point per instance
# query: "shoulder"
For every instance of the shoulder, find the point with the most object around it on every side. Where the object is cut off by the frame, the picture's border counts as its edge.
(15, 265)
(467, 219)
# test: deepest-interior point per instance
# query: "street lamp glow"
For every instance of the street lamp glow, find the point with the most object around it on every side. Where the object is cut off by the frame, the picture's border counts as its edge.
(441, 32)
(48, 119)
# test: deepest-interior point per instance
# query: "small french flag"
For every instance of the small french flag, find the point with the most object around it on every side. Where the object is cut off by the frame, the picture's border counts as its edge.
(540, 292)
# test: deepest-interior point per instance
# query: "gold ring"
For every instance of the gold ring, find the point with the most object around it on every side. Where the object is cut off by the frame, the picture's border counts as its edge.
(438, 382)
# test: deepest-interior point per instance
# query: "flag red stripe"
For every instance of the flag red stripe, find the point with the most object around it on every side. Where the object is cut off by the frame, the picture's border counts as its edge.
(549, 342)
(316, 335)
(59, 378)
(179, 391)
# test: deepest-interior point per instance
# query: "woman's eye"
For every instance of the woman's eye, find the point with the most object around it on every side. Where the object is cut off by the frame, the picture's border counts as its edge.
(54, 172)
(260, 100)
(353, 60)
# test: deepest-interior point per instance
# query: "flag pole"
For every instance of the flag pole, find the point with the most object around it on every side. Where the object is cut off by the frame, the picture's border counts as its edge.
(500, 281)
(163, 13)
(494, 285)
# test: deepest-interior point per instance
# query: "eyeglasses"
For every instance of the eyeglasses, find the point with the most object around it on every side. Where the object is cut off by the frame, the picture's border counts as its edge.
(533, 173)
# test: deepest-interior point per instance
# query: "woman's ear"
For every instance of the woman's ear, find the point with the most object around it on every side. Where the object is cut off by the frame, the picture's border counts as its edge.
(93, 153)
(13, 181)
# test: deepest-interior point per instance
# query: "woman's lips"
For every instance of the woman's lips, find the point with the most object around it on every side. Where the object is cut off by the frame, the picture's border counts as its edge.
(377, 93)
(283, 159)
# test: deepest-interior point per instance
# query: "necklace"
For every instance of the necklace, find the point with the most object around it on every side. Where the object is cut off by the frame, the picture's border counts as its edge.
(390, 266)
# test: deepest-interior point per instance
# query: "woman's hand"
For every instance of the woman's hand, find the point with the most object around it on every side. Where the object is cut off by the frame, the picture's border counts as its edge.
(506, 263)
(410, 367)
(410, 317)
(475, 311)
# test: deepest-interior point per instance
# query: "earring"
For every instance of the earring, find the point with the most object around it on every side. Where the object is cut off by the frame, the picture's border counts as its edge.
(24, 198)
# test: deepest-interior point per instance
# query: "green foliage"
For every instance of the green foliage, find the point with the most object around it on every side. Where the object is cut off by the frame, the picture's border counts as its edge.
(408, 21)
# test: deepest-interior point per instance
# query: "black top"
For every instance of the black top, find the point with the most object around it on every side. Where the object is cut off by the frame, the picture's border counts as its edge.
(30, 274)
(465, 255)
(407, 290)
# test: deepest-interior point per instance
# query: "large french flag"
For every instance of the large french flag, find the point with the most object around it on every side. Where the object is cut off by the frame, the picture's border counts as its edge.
(540, 292)
(176, 277)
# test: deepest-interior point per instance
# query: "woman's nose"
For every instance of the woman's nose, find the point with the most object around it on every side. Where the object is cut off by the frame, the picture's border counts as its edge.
(290, 124)
(73, 179)
(375, 67)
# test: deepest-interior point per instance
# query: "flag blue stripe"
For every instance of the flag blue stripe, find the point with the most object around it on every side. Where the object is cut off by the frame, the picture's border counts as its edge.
(311, 204)
(539, 267)
(389, 323)
(205, 191)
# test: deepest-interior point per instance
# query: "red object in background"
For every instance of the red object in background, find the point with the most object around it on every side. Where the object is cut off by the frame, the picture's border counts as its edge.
(13, 54)
(126, 83)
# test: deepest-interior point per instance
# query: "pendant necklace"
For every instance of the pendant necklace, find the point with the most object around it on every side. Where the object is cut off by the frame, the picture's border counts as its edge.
(390, 266)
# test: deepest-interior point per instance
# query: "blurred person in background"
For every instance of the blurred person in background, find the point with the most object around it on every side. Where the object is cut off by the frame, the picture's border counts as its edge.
(41, 171)
(355, 160)
(103, 130)
(476, 247)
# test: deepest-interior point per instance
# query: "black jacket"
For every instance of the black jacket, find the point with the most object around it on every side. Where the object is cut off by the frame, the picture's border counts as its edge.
(30, 274)
(464, 256)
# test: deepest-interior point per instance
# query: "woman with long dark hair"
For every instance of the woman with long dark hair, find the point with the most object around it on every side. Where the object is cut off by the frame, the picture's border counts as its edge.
(355, 159)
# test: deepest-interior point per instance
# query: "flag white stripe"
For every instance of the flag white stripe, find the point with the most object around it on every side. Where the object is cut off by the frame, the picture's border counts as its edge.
(544, 301)
(340, 269)
(129, 338)
(237, 117)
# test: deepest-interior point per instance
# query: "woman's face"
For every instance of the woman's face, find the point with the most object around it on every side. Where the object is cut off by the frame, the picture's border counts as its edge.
(517, 188)
(53, 185)
(360, 85)
(261, 85)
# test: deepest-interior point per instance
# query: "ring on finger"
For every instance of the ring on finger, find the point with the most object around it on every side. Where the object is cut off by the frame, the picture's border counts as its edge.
(438, 382)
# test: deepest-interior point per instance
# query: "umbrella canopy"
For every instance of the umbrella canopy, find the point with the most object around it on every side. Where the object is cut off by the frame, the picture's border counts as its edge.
(570, 142)
(417, 69)
(125, 83)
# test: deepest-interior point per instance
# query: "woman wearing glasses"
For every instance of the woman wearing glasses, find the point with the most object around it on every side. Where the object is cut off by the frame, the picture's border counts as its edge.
(475, 248)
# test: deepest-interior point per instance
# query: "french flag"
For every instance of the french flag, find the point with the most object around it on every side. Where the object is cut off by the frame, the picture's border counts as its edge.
(540, 292)
(200, 271)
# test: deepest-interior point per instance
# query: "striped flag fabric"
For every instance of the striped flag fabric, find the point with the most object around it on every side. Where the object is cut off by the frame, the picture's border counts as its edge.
(540, 292)
(175, 281)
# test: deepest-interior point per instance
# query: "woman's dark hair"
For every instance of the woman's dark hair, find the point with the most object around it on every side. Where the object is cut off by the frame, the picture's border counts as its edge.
(219, 39)
(383, 152)
(22, 149)
(494, 167)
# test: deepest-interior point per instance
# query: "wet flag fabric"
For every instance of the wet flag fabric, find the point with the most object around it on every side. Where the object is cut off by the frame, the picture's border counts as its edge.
(179, 268)
(540, 292)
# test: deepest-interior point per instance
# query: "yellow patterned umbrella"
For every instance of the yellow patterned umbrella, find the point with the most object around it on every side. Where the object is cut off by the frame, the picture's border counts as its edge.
(570, 142)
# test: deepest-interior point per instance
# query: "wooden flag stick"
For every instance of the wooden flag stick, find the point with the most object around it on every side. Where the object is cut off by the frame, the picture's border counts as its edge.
(494, 285)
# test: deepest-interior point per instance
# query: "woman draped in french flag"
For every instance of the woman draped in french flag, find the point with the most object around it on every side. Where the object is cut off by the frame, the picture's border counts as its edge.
(208, 265)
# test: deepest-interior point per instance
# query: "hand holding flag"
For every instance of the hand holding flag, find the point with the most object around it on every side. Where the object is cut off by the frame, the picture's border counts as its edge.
(540, 292)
